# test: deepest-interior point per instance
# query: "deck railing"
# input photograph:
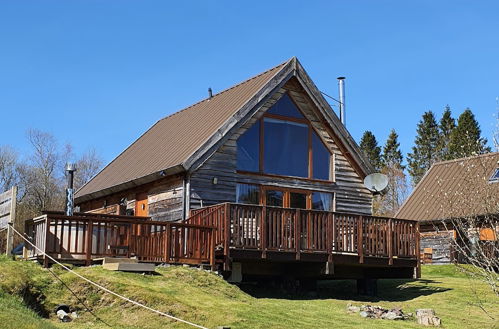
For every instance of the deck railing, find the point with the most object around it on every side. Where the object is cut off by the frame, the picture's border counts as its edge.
(88, 236)
(297, 230)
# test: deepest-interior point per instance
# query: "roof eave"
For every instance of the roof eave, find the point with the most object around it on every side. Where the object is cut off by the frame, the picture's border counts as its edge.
(131, 184)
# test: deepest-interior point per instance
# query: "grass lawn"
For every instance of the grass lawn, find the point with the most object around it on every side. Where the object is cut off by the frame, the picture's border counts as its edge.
(206, 299)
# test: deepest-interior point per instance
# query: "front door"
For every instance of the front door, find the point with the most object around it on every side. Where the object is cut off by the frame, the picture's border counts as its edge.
(141, 205)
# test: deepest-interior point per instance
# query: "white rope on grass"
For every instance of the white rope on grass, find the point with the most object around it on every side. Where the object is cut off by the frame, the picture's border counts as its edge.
(107, 290)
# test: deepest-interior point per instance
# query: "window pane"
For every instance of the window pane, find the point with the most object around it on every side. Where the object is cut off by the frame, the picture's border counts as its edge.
(274, 198)
(298, 200)
(246, 193)
(321, 158)
(286, 107)
(285, 148)
(248, 146)
(322, 201)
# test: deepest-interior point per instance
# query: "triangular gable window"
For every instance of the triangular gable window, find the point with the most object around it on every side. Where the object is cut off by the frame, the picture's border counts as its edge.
(284, 143)
(285, 107)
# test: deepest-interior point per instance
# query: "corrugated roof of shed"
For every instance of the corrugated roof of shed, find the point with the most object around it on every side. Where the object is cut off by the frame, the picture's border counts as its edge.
(454, 189)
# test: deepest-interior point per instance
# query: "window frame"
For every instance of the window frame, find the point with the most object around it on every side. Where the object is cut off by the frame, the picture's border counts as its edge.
(310, 155)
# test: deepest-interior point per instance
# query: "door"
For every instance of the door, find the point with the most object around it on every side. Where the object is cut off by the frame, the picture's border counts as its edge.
(141, 205)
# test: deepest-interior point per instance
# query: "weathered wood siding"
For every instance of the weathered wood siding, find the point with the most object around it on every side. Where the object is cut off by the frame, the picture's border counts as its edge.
(440, 243)
(164, 199)
(350, 194)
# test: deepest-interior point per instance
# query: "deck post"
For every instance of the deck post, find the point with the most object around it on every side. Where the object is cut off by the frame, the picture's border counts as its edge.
(90, 233)
(390, 242)
(329, 241)
(360, 234)
(263, 232)
(168, 243)
(418, 253)
(212, 247)
(45, 247)
(227, 264)
(297, 233)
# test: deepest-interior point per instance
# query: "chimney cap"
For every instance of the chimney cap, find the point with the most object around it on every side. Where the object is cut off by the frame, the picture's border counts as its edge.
(341, 78)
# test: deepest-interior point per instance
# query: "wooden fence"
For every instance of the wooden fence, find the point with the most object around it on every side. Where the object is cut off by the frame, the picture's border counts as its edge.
(87, 236)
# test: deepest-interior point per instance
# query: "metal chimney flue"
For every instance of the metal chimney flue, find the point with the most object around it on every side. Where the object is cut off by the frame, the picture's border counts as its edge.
(70, 169)
(341, 90)
(210, 93)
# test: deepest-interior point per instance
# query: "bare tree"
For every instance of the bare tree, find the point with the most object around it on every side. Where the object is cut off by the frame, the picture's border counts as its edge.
(87, 166)
(473, 216)
(8, 168)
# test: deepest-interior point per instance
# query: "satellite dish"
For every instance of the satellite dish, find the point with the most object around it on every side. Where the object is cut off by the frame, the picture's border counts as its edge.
(376, 182)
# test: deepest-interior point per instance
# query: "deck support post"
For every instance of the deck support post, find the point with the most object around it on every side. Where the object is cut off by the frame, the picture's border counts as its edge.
(88, 254)
(329, 241)
(168, 246)
(360, 234)
(263, 232)
(297, 233)
(390, 242)
(47, 231)
(227, 261)
(213, 233)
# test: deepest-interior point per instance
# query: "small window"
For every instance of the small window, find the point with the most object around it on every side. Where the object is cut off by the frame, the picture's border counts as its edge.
(248, 149)
(322, 201)
(495, 176)
(286, 107)
(248, 194)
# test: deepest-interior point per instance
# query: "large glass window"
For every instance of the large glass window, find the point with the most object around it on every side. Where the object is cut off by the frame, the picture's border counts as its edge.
(322, 201)
(285, 148)
(286, 107)
(247, 193)
(248, 146)
(290, 145)
(321, 158)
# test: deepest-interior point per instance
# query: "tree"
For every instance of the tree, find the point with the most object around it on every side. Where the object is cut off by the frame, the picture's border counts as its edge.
(8, 168)
(496, 130)
(392, 167)
(447, 125)
(426, 148)
(87, 166)
(371, 150)
(465, 139)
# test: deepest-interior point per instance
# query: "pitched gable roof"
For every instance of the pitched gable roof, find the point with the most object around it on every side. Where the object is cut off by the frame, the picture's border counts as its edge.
(172, 144)
(453, 189)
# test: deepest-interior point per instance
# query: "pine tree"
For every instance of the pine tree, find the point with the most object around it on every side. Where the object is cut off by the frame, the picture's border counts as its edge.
(447, 125)
(371, 150)
(465, 139)
(426, 148)
(392, 156)
(396, 192)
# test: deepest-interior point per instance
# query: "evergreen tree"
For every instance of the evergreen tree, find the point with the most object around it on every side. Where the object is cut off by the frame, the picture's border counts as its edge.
(392, 199)
(371, 150)
(392, 156)
(426, 148)
(465, 139)
(447, 125)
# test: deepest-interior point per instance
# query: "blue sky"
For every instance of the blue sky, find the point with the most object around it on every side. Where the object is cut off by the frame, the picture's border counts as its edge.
(97, 74)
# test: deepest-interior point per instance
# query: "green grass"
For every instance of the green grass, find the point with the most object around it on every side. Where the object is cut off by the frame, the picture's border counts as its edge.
(207, 299)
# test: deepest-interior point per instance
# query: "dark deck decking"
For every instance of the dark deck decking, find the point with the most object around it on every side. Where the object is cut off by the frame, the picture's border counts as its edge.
(230, 232)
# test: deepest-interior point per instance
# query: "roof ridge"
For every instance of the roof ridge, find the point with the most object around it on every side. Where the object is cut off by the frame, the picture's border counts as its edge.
(466, 158)
(227, 89)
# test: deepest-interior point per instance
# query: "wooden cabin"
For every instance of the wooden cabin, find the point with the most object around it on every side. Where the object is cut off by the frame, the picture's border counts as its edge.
(461, 190)
(269, 165)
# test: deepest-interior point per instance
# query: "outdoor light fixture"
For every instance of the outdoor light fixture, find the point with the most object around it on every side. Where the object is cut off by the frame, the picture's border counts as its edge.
(215, 181)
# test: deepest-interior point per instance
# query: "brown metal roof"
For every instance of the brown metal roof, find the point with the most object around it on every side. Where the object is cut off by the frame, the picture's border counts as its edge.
(453, 189)
(170, 141)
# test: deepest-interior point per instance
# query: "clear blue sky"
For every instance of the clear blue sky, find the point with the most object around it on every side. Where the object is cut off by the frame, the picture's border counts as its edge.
(99, 73)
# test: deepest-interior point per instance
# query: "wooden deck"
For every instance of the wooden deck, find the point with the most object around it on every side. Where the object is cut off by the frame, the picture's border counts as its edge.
(230, 232)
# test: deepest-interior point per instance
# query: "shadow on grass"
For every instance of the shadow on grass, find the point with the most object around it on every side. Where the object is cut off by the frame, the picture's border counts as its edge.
(388, 290)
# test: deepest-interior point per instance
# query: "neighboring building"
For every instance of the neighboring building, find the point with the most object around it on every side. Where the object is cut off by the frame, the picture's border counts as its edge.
(271, 140)
(464, 189)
